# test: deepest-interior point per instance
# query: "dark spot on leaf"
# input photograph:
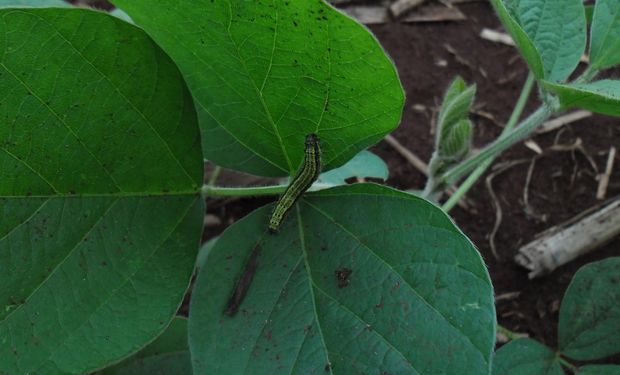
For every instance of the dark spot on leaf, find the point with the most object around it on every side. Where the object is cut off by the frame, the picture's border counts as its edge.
(342, 276)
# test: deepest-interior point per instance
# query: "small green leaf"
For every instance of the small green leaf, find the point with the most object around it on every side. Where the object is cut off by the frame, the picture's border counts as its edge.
(167, 355)
(266, 73)
(526, 357)
(361, 279)
(364, 164)
(100, 207)
(456, 87)
(524, 43)
(599, 370)
(590, 312)
(557, 29)
(455, 107)
(598, 96)
(454, 130)
(605, 34)
(457, 143)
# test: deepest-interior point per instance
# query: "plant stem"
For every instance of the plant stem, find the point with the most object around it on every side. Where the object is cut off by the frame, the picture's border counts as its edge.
(479, 171)
(502, 143)
(565, 363)
(214, 175)
(219, 191)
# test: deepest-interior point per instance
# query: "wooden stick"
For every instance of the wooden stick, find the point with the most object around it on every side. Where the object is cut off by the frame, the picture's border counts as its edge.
(561, 244)
(558, 122)
(368, 14)
(412, 158)
(604, 178)
(402, 6)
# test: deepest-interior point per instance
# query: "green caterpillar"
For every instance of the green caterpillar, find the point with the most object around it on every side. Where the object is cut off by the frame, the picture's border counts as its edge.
(306, 175)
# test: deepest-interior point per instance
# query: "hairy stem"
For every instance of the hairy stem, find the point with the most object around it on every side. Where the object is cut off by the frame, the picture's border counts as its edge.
(501, 144)
(220, 191)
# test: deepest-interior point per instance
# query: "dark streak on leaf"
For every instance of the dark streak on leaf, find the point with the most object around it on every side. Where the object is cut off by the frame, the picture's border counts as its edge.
(243, 284)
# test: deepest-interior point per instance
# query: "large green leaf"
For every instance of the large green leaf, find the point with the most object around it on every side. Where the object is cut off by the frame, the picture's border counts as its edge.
(167, 355)
(599, 96)
(526, 357)
(589, 324)
(361, 279)
(599, 370)
(55, 3)
(100, 172)
(523, 41)
(605, 34)
(266, 73)
(34, 3)
(557, 29)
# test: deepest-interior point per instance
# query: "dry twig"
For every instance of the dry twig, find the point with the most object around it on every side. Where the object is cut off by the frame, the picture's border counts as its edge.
(562, 243)
(558, 122)
(604, 178)
(400, 7)
(499, 169)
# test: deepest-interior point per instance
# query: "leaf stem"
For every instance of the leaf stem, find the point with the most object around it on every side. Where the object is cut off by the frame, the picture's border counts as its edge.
(479, 171)
(220, 191)
(567, 364)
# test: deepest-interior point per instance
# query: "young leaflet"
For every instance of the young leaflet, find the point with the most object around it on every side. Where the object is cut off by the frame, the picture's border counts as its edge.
(306, 175)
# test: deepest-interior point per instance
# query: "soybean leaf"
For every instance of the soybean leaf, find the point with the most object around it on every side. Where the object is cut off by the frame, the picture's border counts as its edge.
(167, 355)
(361, 279)
(599, 370)
(364, 164)
(557, 29)
(34, 3)
(589, 326)
(526, 357)
(599, 96)
(605, 34)
(100, 211)
(203, 253)
(55, 3)
(266, 73)
(523, 41)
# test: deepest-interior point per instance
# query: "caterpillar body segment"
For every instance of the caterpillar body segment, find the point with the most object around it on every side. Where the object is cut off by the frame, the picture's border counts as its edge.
(304, 178)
